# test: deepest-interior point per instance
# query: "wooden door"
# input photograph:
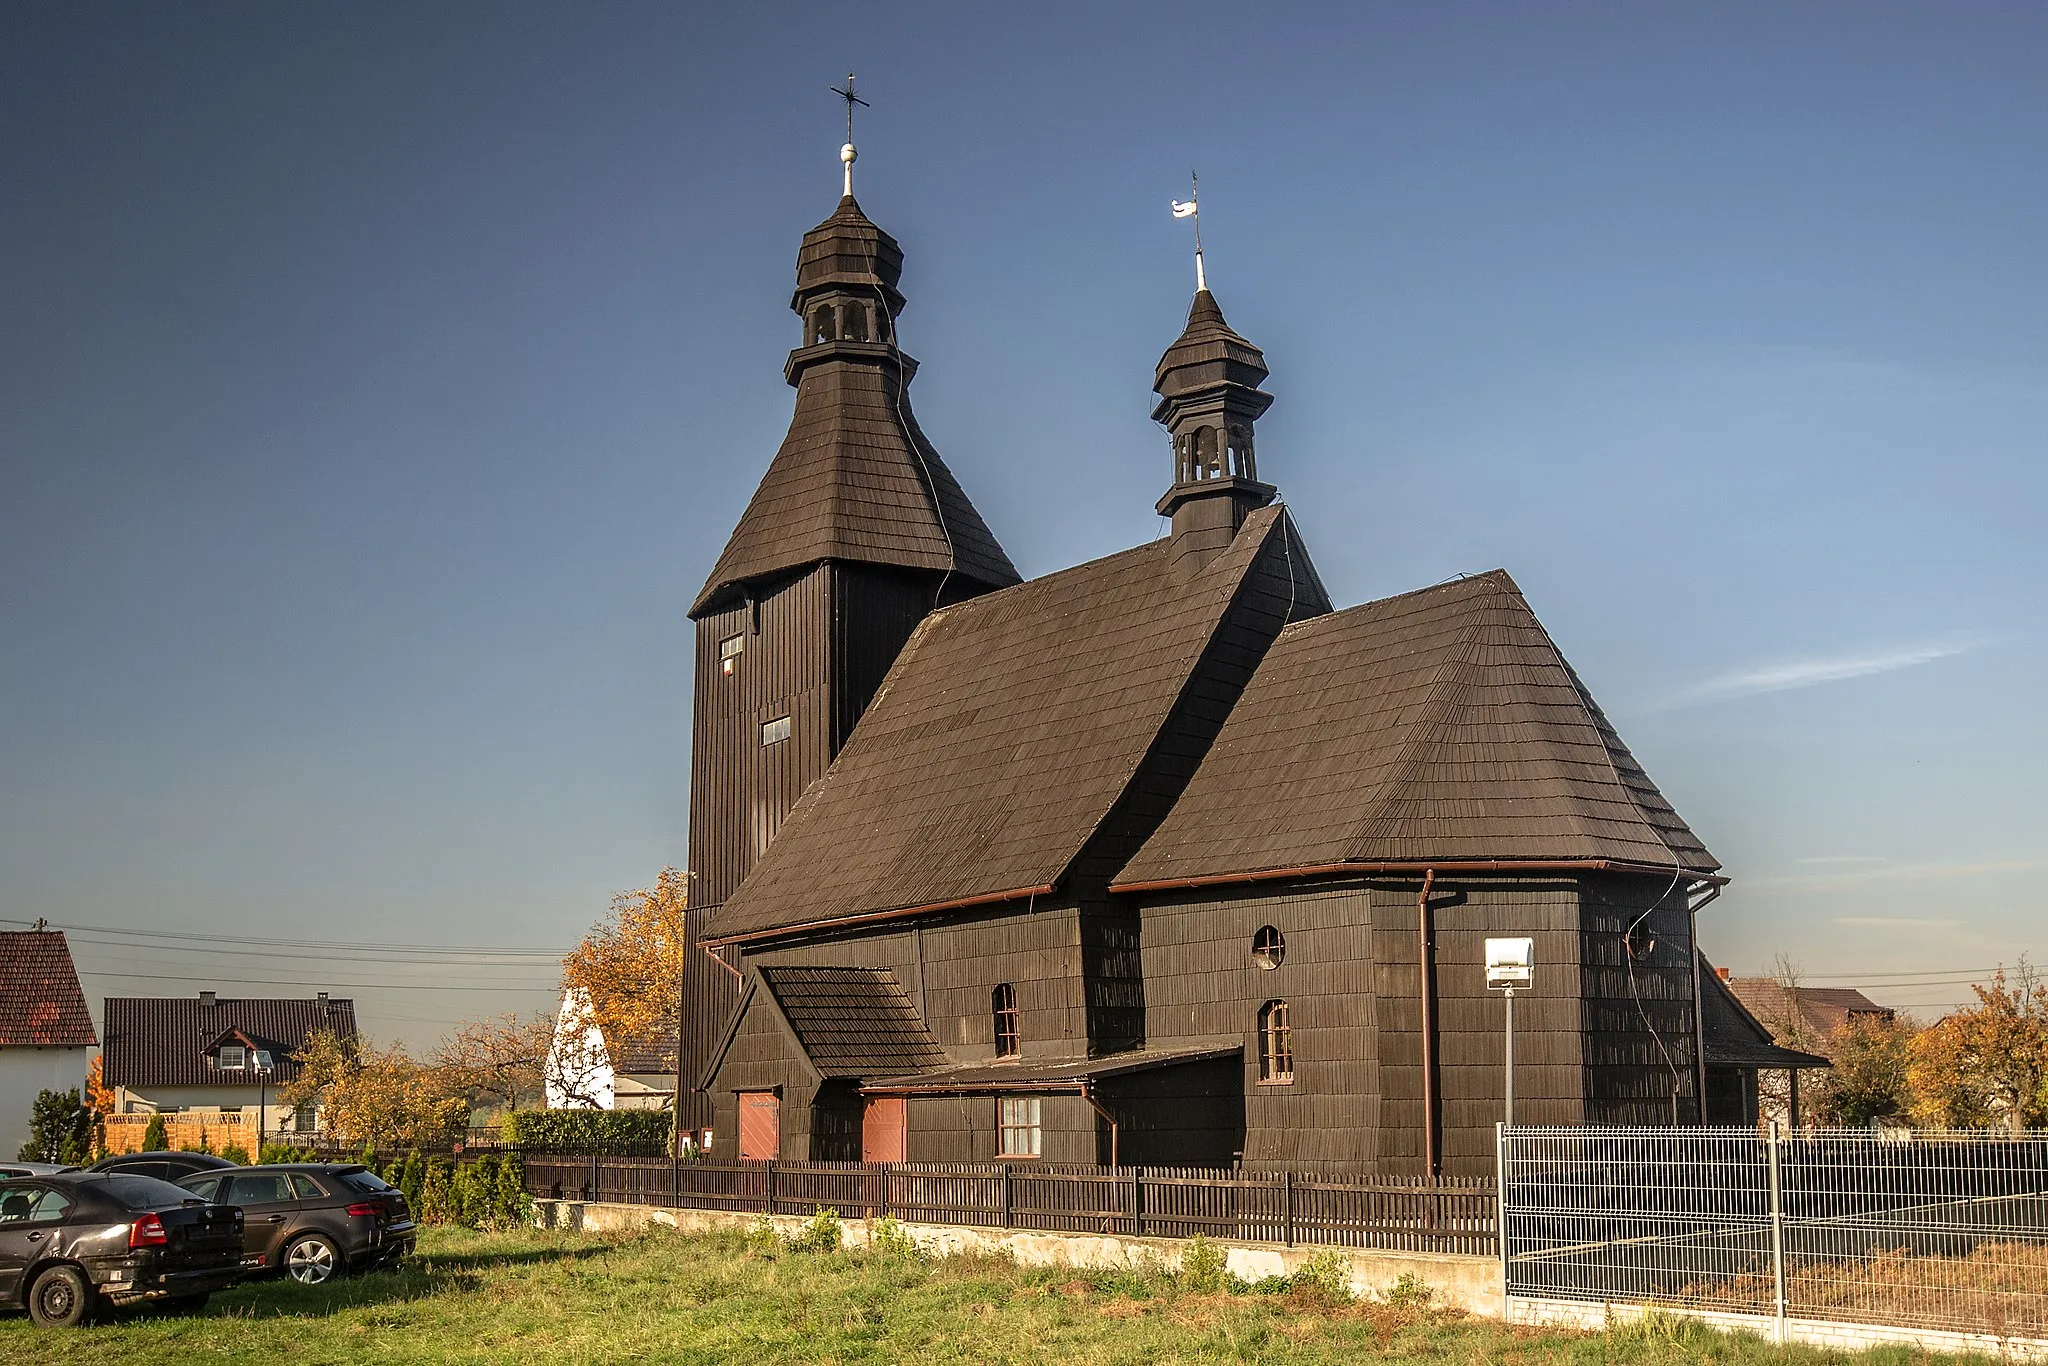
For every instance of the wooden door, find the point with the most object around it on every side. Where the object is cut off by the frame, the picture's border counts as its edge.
(760, 1126)
(884, 1126)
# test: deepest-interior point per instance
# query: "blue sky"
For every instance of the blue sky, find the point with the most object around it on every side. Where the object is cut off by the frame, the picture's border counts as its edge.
(380, 382)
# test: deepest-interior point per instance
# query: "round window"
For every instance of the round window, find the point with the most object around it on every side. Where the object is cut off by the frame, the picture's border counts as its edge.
(1269, 947)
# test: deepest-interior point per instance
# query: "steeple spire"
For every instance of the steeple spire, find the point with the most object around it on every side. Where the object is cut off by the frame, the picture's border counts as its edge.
(846, 153)
(855, 482)
(1209, 398)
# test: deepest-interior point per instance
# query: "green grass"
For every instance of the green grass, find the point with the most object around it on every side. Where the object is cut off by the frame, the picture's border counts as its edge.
(552, 1298)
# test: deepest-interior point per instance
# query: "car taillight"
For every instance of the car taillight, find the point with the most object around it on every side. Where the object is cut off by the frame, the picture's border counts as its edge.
(148, 1231)
(365, 1209)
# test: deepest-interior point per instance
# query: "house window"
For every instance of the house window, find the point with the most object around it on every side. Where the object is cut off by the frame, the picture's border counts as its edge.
(233, 1057)
(1269, 947)
(775, 732)
(729, 651)
(1276, 1044)
(1017, 1126)
(1003, 1005)
(304, 1118)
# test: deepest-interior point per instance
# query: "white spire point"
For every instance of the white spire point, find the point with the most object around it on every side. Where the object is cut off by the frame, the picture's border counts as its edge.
(1193, 209)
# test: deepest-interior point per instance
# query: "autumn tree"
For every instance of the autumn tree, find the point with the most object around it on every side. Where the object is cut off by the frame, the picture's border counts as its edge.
(1869, 1081)
(375, 1096)
(500, 1061)
(1986, 1066)
(626, 976)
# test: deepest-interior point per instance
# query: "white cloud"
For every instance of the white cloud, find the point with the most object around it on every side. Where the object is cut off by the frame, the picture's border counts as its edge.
(1851, 879)
(1807, 673)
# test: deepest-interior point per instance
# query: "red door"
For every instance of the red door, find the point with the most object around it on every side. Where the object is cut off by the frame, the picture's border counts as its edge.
(760, 1126)
(882, 1129)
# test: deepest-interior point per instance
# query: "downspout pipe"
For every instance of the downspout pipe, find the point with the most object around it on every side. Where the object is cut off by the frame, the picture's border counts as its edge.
(1699, 1014)
(1425, 963)
(1088, 1094)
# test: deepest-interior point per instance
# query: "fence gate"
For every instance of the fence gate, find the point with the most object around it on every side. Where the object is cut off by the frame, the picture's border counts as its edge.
(1913, 1235)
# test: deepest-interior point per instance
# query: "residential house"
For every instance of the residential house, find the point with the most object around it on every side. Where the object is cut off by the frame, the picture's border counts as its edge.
(588, 1070)
(207, 1063)
(45, 1027)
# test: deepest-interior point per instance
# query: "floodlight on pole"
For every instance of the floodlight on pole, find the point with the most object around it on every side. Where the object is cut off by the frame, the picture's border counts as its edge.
(1510, 967)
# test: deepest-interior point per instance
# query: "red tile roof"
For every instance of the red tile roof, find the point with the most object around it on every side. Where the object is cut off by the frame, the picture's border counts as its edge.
(41, 1005)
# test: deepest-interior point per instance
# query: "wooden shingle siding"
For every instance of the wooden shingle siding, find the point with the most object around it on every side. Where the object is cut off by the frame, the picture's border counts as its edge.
(1640, 1041)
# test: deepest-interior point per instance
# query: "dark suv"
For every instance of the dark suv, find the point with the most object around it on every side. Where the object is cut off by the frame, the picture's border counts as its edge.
(312, 1219)
(71, 1242)
(164, 1166)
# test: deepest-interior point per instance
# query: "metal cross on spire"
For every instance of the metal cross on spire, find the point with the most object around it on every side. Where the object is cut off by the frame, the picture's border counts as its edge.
(1193, 209)
(846, 153)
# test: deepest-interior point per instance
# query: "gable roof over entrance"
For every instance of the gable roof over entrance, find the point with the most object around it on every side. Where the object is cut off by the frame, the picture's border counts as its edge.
(1438, 726)
(1006, 732)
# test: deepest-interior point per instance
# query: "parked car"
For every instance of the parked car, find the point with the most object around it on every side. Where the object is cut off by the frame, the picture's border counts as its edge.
(313, 1220)
(10, 1169)
(73, 1242)
(164, 1166)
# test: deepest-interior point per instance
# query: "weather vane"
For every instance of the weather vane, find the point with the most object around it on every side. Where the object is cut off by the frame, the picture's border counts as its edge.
(846, 153)
(1191, 209)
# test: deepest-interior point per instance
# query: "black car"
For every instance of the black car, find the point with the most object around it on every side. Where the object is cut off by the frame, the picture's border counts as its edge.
(74, 1242)
(313, 1219)
(164, 1166)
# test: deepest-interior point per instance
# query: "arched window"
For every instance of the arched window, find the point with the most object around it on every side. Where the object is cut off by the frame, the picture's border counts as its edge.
(1241, 462)
(1003, 1005)
(821, 324)
(1269, 947)
(1276, 1044)
(1206, 457)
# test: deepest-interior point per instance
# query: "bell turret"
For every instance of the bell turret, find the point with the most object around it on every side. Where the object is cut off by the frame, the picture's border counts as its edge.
(1209, 398)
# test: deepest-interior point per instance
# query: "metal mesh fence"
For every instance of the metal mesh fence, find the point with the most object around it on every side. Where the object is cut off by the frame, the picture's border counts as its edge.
(1920, 1230)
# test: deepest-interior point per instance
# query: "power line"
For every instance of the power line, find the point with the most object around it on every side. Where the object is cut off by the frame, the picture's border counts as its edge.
(194, 937)
(323, 982)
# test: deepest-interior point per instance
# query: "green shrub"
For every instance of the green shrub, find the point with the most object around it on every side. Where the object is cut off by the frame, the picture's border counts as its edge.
(887, 1238)
(60, 1129)
(1327, 1274)
(153, 1138)
(821, 1233)
(274, 1152)
(1410, 1291)
(235, 1153)
(762, 1239)
(433, 1205)
(1204, 1268)
(411, 1172)
(512, 1207)
(641, 1133)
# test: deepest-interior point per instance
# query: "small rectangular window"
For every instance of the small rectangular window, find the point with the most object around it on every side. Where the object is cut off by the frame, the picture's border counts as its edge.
(231, 1057)
(729, 651)
(1018, 1128)
(775, 732)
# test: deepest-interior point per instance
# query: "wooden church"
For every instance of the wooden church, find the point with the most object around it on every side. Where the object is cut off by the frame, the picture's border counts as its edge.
(1160, 859)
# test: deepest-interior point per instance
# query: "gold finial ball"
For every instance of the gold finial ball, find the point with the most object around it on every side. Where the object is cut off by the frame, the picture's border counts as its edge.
(847, 154)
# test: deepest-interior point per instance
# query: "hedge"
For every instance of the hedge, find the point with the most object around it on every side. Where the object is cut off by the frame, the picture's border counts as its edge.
(625, 1132)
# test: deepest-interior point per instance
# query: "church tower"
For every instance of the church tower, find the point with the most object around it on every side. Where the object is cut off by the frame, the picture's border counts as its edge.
(857, 531)
(1209, 397)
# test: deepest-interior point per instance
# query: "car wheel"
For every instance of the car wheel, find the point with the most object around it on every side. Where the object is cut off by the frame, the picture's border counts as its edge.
(312, 1260)
(60, 1298)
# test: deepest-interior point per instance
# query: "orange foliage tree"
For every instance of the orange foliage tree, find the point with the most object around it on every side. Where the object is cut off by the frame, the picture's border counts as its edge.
(629, 968)
(1986, 1066)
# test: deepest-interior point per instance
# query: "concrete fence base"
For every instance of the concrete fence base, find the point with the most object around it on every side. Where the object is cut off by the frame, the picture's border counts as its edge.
(1457, 1282)
(1597, 1315)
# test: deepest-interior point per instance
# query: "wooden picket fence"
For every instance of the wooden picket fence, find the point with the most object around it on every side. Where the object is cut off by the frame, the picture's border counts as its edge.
(1451, 1214)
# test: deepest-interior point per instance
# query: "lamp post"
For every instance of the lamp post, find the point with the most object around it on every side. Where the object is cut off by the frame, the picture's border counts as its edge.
(1510, 965)
(263, 1069)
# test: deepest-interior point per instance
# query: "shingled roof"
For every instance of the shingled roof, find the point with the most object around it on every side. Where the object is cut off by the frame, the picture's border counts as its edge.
(1004, 734)
(1735, 1037)
(855, 479)
(41, 1005)
(1441, 725)
(162, 1041)
(853, 1022)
